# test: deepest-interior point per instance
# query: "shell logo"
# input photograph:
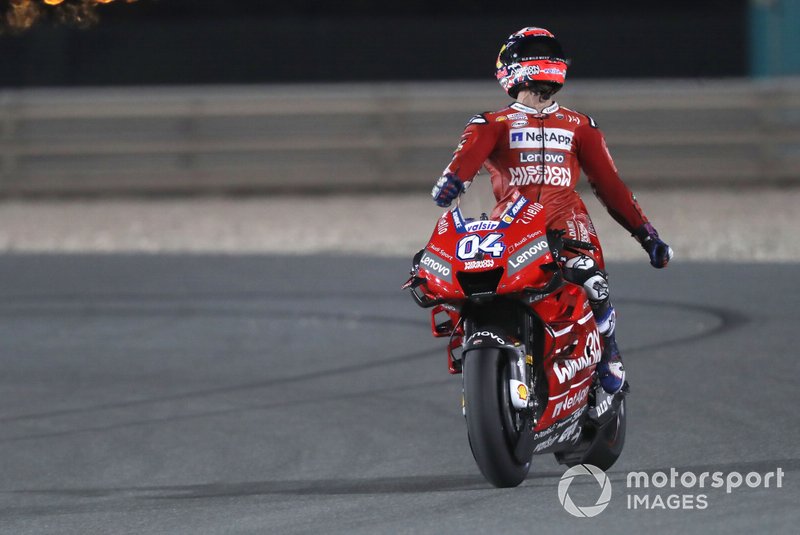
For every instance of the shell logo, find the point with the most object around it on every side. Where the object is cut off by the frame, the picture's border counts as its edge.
(522, 392)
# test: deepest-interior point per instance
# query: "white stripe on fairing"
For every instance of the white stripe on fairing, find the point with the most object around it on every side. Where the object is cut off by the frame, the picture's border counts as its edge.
(578, 384)
(556, 334)
(585, 318)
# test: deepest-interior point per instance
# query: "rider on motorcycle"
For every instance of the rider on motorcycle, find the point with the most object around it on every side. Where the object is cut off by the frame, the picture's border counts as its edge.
(537, 148)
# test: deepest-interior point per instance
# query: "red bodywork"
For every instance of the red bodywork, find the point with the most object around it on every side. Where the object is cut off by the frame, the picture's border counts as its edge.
(518, 244)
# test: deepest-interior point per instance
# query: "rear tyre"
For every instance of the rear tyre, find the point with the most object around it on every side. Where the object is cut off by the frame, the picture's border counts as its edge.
(490, 417)
(607, 444)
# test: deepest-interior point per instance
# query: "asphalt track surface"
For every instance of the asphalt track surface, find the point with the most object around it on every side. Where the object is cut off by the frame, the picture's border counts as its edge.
(265, 394)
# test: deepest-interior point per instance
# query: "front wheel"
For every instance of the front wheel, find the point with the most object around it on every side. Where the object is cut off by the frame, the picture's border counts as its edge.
(490, 417)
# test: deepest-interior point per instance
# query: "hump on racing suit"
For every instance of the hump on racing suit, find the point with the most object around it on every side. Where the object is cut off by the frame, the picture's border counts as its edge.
(541, 155)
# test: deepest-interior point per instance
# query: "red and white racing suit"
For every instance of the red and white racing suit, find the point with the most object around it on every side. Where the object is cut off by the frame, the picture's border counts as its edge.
(540, 155)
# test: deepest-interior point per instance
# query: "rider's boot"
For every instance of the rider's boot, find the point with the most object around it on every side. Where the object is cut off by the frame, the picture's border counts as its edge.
(610, 370)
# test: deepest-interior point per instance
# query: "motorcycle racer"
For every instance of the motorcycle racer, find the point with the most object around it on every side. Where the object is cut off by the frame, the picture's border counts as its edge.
(537, 148)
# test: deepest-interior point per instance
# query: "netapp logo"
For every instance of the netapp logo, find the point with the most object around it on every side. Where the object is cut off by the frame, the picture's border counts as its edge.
(534, 138)
(571, 401)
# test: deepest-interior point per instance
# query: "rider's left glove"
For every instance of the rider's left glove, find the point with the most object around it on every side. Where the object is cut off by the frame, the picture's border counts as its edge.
(660, 253)
(447, 188)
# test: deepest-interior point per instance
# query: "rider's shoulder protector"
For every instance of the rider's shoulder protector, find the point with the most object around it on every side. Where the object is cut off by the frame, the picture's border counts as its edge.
(479, 118)
(592, 122)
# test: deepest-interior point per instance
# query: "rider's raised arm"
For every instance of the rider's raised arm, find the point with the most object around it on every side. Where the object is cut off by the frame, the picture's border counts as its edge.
(596, 162)
(477, 143)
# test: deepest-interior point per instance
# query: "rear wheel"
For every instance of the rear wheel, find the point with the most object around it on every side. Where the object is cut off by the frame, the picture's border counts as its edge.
(491, 421)
(604, 444)
(607, 445)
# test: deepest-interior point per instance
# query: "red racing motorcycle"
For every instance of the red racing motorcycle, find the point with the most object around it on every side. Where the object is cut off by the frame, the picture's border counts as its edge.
(524, 340)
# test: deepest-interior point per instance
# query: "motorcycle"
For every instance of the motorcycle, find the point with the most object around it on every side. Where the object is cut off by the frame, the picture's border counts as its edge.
(523, 338)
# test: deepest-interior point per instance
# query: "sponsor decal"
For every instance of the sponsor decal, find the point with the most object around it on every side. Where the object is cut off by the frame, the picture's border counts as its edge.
(530, 212)
(559, 430)
(534, 138)
(522, 392)
(501, 118)
(536, 157)
(522, 72)
(443, 225)
(441, 252)
(570, 433)
(513, 247)
(519, 124)
(593, 349)
(507, 219)
(574, 119)
(577, 230)
(436, 265)
(604, 405)
(567, 369)
(477, 119)
(486, 334)
(473, 226)
(479, 264)
(553, 70)
(458, 220)
(571, 401)
(517, 116)
(559, 115)
(546, 444)
(517, 206)
(548, 175)
(527, 255)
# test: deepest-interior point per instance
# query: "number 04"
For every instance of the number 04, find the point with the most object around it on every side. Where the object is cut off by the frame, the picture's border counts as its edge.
(469, 246)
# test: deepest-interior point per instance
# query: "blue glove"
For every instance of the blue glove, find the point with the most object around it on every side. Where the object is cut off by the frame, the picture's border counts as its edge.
(660, 253)
(447, 188)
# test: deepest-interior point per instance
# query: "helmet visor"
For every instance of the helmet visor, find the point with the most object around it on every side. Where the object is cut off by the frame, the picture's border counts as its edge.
(532, 48)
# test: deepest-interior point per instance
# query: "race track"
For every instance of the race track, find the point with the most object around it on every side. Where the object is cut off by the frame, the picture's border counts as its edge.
(267, 394)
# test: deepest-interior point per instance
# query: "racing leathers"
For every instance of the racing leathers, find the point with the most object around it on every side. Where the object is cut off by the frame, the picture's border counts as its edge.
(540, 155)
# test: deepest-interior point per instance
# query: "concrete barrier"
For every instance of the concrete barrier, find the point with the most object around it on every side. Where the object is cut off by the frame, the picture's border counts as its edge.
(372, 137)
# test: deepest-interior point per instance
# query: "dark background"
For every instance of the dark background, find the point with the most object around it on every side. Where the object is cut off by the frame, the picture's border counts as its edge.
(257, 41)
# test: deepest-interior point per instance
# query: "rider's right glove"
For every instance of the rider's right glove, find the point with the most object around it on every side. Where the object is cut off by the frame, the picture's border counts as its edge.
(660, 253)
(447, 188)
